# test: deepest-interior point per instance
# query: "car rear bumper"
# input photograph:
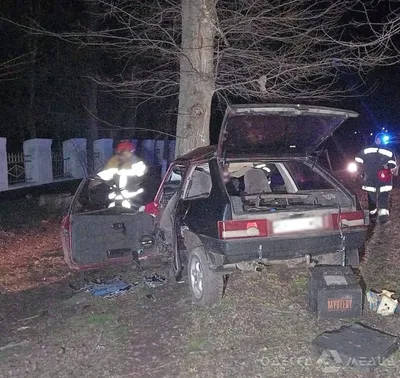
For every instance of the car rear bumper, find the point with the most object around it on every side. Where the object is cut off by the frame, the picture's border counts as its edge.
(223, 252)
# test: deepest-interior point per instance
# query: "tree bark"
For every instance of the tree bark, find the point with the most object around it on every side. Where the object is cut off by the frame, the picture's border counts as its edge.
(92, 130)
(33, 48)
(93, 127)
(196, 75)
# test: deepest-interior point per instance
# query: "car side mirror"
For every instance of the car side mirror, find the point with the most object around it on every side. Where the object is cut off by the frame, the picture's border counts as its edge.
(147, 241)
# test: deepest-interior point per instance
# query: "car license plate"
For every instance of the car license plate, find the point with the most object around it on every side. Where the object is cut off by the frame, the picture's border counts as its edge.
(299, 224)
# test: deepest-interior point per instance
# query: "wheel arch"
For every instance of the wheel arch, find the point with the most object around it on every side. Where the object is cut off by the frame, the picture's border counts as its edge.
(193, 241)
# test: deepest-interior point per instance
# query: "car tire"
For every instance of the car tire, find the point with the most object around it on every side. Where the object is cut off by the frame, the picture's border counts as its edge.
(206, 286)
(353, 258)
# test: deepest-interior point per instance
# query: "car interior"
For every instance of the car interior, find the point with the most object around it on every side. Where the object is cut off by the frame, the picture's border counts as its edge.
(251, 186)
(283, 185)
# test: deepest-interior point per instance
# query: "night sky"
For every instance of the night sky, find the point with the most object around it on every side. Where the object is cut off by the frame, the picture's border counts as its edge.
(61, 71)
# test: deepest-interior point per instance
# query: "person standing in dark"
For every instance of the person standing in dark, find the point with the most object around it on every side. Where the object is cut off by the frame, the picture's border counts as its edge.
(378, 164)
(124, 171)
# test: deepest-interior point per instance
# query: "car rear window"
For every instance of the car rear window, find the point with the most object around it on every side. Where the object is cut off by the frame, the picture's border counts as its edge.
(305, 177)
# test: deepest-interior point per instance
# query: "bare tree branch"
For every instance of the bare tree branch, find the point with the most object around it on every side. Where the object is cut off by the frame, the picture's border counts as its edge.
(113, 126)
(292, 49)
(13, 67)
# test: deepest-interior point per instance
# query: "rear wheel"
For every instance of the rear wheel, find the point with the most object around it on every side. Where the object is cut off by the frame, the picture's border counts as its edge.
(205, 286)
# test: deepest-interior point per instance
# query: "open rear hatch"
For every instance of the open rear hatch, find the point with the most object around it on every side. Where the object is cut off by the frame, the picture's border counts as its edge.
(278, 129)
(278, 139)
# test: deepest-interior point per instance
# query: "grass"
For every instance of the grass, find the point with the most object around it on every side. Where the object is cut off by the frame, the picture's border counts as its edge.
(197, 344)
(380, 269)
(101, 319)
(121, 331)
(260, 328)
(22, 213)
(299, 284)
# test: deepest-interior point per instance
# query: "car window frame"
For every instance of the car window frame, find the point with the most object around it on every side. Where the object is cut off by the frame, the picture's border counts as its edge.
(160, 193)
(84, 183)
(188, 181)
(167, 179)
(290, 184)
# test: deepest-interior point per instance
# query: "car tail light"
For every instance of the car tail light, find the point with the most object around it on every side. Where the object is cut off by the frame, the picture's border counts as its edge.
(242, 229)
(351, 219)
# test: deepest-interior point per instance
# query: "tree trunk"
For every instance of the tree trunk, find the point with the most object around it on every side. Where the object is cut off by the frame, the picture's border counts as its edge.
(196, 75)
(93, 128)
(92, 131)
(33, 48)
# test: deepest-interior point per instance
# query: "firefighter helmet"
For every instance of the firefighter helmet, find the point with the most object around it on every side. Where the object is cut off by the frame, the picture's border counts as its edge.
(125, 145)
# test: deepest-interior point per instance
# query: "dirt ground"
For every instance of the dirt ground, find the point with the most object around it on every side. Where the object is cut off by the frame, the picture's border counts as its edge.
(262, 328)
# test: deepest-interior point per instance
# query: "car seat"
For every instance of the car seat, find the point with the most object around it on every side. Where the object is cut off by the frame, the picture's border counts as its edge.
(256, 182)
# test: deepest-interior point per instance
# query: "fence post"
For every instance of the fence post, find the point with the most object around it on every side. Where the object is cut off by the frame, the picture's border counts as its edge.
(171, 150)
(159, 152)
(3, 165)
(103, 151)
(75, 158)
(147, 150)
(38, 161)
(164, 167)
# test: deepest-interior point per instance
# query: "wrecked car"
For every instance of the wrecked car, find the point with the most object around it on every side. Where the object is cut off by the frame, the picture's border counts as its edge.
(259, 197)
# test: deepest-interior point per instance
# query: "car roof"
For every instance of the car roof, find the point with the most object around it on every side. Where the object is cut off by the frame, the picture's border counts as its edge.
(201, 153)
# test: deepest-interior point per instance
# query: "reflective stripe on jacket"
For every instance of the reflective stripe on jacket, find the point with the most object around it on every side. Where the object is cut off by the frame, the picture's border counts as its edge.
(127, 176)
(374, 158)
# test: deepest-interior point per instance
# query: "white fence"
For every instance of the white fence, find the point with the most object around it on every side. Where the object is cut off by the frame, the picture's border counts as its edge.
(16, 168)
(38, 164)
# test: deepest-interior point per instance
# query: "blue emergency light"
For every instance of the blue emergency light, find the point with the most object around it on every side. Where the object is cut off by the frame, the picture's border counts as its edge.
(385, 139)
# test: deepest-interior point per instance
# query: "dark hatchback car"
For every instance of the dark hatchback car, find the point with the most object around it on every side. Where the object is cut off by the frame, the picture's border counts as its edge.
(259, 197)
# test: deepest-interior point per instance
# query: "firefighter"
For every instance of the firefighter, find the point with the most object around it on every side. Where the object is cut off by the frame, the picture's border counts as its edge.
(378, 163)
(125, 171)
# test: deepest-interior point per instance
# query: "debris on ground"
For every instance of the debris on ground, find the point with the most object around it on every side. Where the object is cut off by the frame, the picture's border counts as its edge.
(154, 280)
(356, 346)
(334, 292)
(13, 345)
(382, 303)
(116, 286)
(108, 289)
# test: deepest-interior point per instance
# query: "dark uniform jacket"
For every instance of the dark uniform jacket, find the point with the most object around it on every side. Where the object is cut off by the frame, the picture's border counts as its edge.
(374, 159)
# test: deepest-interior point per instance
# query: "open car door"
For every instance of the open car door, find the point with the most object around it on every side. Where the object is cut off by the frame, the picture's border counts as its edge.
(169, 189)
(94, 236)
